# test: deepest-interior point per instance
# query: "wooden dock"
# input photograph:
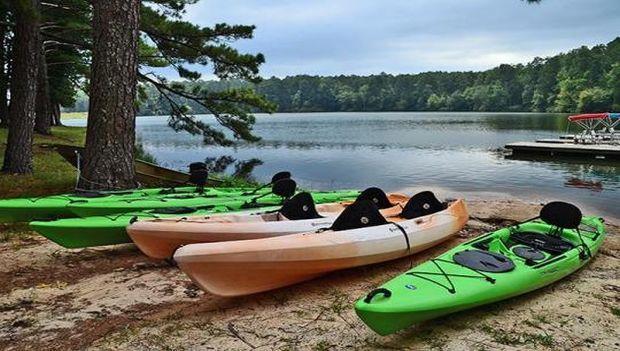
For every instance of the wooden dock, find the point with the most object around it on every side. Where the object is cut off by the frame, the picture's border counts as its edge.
(599, 151)
(555, 141)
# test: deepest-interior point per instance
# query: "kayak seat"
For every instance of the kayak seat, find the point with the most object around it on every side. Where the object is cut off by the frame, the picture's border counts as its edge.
(299, 207)
(484, 261)
(554, 245)
(528, 252)
(377, 196)
(561, 215)
(422, 204)
(360, 214)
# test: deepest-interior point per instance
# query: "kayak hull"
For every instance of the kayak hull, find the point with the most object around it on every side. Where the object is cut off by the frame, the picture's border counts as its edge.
(246, 267)
(423, 292)
(159, 238)
(190, 200)
(58, 206)
(24, 210)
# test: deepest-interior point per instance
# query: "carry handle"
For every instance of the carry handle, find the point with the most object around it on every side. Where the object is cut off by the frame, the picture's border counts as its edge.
(384, 291)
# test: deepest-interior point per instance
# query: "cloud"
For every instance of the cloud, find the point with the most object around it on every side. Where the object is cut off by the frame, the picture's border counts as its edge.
(366, 36)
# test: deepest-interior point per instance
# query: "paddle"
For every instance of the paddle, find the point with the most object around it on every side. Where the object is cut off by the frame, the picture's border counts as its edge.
(276, 177)
(284, 188)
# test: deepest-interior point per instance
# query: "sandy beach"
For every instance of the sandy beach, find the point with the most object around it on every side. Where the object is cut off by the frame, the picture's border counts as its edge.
(116, 298)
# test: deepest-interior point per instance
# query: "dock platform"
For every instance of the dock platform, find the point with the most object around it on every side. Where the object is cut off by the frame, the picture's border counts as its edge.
(555, 141)
(600, 151)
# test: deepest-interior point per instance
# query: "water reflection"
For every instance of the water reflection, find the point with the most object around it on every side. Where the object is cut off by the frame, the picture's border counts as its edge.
(242, 169)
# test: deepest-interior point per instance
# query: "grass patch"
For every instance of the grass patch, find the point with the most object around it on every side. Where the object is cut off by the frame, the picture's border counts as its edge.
(513, 338)
(52, 174)
(73, 115)
(615, 311)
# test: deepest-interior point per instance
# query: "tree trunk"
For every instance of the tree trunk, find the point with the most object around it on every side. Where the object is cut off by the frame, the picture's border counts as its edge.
(18, 153)
(4, 77)
(56, 114)
(43, 119)
(110, 135)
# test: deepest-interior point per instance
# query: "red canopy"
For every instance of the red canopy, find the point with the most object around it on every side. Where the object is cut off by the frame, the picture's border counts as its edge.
(585, 116)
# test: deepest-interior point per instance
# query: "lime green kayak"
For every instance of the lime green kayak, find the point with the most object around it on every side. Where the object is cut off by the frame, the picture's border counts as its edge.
(56, 206)
(110, 229)
(496, 266)
(102, 208)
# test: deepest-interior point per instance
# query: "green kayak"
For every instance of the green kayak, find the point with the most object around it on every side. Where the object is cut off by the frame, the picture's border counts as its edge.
(89, 208)
(110, 229)
(56, 206)
(496, 266)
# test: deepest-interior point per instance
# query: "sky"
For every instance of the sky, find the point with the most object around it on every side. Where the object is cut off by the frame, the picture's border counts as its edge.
(332, 37)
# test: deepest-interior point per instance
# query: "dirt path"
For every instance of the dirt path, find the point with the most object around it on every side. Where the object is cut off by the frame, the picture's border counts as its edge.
(115, 298)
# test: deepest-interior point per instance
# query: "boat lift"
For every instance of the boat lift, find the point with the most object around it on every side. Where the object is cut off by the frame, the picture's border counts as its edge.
(597, 127)
(613, 122)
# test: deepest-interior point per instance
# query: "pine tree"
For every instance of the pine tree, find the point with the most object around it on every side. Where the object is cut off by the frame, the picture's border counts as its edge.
(176, 43)
(5, 53)
(18, 153)
(110, 134)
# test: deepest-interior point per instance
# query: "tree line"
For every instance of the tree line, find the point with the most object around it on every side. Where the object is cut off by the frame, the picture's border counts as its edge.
(51, 50)
(582, 80)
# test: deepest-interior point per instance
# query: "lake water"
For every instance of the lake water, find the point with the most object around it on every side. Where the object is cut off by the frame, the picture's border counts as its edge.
(454, 154)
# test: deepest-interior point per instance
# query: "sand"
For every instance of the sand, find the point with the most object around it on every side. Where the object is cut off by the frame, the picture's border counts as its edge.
(116, 298)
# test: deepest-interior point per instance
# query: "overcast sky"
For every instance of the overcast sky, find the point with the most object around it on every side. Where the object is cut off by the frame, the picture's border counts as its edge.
(331, 37)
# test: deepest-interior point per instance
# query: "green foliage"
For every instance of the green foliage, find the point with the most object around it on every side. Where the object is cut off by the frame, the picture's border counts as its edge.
(170, 41)
(166, 41)
(65, 23)
(594, 100)
(613, 83)
(580, 80)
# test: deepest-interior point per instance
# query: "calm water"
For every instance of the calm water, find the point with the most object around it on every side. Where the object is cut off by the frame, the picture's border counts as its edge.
(455, 154)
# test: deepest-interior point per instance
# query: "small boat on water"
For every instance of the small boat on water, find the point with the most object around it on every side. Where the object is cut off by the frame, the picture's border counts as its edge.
(361, 235)
(159, 238)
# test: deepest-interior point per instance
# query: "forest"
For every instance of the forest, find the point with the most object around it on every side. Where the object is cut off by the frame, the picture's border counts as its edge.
(582, 80)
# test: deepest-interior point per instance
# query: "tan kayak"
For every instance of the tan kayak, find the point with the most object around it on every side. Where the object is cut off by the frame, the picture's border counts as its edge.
(360, 236)
(159, 238)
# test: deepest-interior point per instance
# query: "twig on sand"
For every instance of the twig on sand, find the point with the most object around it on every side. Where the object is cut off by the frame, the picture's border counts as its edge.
(315, 319)
(235, 333)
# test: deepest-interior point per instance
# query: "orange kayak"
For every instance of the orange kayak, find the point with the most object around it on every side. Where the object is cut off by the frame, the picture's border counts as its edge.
(245, 267)
(159, 238)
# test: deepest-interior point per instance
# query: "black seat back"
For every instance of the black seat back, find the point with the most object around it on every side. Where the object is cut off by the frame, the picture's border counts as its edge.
(300, 206)
(284, 188)
(197, 166)
(280, 176)
(198, 175)
(422, 204)
(377, 196)
(360, 214)
(561, 215)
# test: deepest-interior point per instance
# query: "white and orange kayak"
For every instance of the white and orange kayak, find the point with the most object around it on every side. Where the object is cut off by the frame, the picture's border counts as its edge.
(359, 236)
(159, 238)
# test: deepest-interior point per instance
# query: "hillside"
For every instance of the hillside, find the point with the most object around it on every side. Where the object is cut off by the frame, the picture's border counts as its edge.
(584, 79)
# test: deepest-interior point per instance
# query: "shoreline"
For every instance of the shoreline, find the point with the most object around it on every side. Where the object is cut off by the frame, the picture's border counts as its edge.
(115, 297)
